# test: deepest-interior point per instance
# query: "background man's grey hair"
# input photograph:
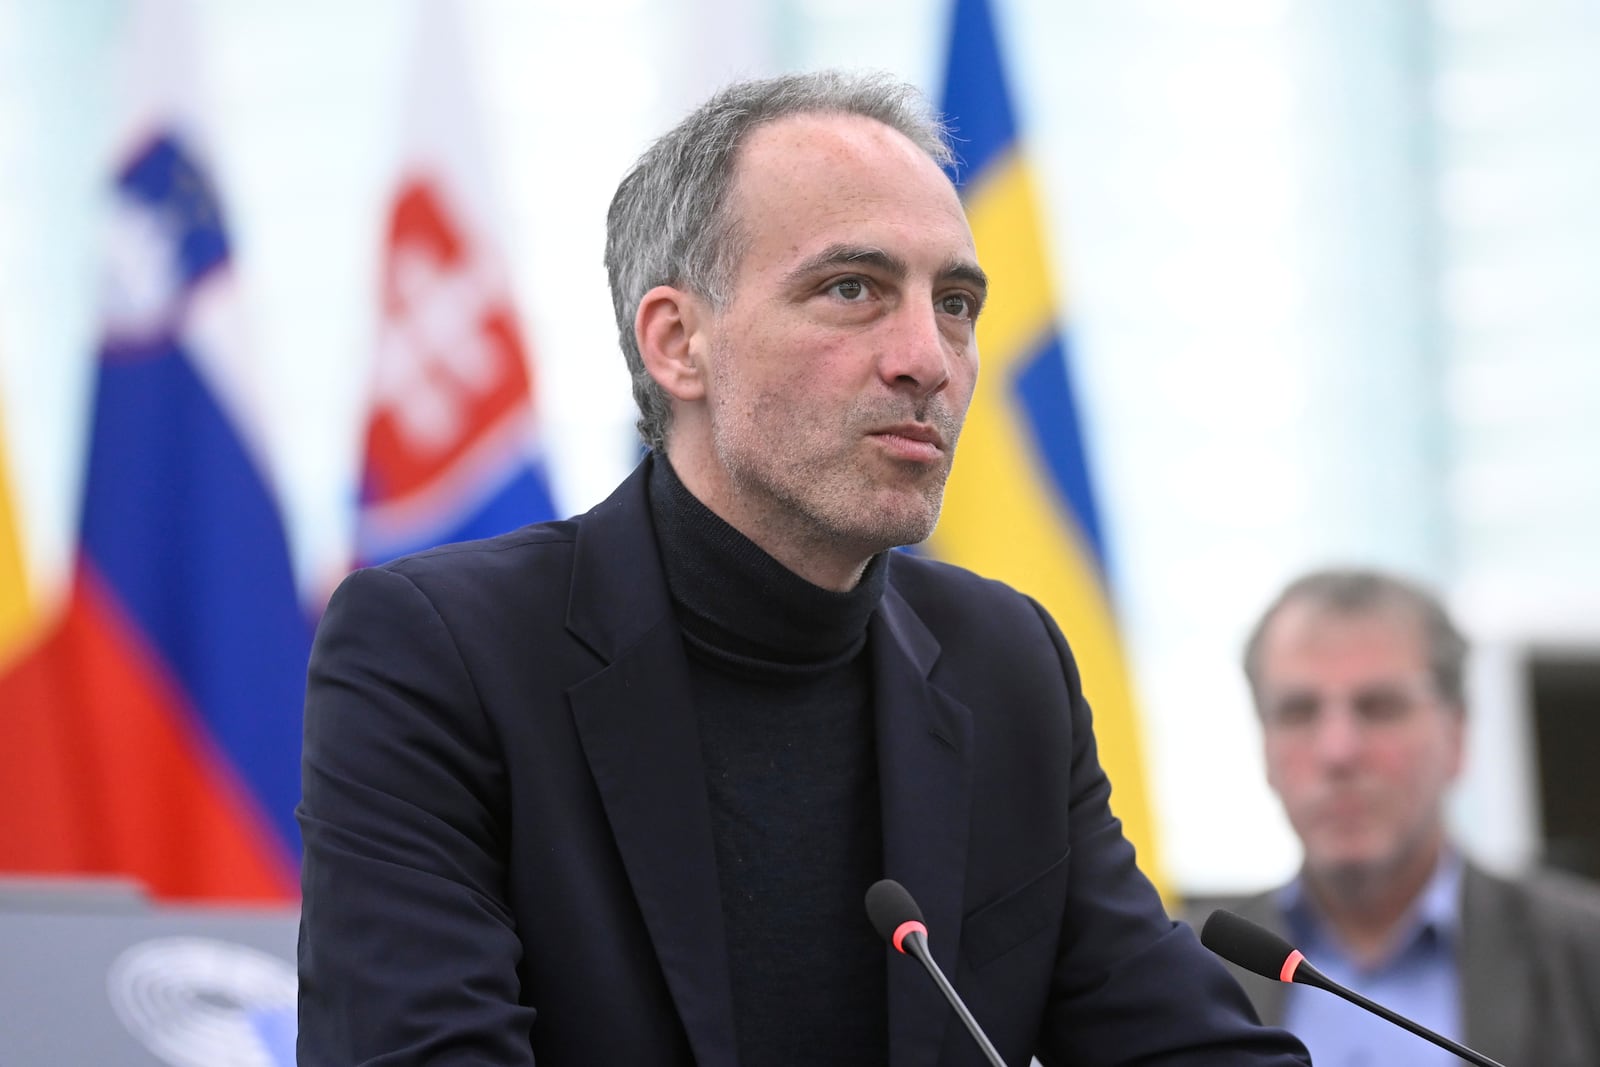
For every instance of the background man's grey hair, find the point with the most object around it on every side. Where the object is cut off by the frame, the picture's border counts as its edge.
(1354, 591)
(669, 222)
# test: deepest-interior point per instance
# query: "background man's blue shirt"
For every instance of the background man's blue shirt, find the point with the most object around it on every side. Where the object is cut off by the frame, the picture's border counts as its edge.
(1416, 977)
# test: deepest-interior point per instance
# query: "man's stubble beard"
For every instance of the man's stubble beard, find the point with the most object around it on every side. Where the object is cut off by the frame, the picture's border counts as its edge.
(831, 511)
(833, 516)
(1361, 883)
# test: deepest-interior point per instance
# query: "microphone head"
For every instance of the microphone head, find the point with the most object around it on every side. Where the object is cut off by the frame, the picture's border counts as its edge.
(891, 910)
(1255, 948)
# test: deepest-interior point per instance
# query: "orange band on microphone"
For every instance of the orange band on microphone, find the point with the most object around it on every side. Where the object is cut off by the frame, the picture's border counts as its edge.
(1291, 965)
(905, 928)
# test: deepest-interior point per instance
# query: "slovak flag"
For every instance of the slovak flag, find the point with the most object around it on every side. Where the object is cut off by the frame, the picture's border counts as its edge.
(451, 445)
(154, 731)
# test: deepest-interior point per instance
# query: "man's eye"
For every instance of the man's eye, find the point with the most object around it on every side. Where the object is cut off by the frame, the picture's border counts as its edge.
(1383, 705)
(959, 304)
(850, 288)
(1294, 711)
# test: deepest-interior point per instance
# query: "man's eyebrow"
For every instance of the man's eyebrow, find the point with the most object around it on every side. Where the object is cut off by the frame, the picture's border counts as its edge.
(960, 270)
(842, 255)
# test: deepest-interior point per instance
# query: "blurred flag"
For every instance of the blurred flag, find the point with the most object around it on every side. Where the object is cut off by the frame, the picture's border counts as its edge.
(1020, 505)
(451, 435)
(155, 732)
(13, 570)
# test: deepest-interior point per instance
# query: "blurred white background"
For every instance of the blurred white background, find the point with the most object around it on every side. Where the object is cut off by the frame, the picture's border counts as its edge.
(1331, 269)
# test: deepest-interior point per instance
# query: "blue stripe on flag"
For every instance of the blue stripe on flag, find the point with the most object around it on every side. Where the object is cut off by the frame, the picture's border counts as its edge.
(975, 101)
(524, 499)
(1043, 391)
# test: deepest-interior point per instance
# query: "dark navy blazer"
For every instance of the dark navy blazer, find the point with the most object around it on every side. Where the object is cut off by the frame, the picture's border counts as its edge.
(508, 851)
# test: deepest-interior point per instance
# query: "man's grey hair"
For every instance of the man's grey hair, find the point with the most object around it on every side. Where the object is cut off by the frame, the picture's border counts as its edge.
(670, 222)
(1358, 591)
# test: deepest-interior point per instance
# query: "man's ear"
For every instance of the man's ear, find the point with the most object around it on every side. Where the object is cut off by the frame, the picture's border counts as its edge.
(668, 328)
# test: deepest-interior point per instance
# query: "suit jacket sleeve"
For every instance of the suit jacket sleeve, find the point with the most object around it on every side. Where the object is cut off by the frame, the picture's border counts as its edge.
(407, 948)
(1131, 986)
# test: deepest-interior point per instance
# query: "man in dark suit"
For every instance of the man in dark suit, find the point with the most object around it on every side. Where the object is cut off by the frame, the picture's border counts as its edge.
(611, 790)
(1357, 678)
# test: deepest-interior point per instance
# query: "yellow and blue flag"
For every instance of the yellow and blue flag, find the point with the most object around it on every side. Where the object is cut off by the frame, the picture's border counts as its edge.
(1020, 505)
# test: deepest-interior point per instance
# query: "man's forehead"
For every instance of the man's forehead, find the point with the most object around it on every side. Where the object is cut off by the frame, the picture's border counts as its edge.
(805, 182)
(809, 145)
(802, 128)
(1310, 632)
(1383, 620)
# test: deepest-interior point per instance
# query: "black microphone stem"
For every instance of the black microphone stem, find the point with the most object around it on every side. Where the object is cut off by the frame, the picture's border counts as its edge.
(917, 945)
(1316, 978)
(1260, 951)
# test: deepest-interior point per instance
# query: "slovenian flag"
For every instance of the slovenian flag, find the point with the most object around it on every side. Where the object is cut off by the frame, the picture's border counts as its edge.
(155, 731)
(451, 444)
(1020, 505)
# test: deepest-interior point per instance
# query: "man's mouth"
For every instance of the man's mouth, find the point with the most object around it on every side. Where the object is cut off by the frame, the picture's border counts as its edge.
(912, 441)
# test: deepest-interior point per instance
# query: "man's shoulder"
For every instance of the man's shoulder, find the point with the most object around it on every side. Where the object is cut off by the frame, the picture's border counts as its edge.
(1552, 898)
(538, 549)
(926, 582)
(502, 562)
(535, 539)
(980, 621)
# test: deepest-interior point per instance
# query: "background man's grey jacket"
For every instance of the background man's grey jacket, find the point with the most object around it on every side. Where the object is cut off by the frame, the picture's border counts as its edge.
(1529, 964)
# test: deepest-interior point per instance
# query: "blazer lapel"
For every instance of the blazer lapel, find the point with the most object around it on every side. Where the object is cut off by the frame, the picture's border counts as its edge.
(635, 719)
(925, 780)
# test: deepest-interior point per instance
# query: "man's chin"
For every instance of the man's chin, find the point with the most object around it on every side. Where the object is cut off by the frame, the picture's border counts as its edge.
(886, 537)
(899, 520)
(1352, 873)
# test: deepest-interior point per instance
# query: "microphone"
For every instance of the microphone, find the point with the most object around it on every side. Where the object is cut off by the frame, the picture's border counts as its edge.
(898, 921)
(1260, 951)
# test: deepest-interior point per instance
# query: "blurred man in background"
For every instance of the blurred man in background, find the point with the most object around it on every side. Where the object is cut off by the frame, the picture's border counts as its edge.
(1357, 678)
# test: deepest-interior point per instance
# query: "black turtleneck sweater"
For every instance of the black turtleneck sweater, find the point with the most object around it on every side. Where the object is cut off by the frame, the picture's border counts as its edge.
(782, 691)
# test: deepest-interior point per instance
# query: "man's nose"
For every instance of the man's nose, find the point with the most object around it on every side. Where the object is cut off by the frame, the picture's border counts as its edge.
(1338, 735)
(917, 354)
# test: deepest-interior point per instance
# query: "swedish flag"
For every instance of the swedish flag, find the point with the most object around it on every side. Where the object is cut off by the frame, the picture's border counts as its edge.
(1020, 506)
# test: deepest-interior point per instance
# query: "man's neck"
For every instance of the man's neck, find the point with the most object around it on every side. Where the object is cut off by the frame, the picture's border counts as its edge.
(819, 558)
(734, 598)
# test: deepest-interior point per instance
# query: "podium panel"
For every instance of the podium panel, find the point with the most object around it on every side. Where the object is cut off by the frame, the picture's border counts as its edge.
(92, 976)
